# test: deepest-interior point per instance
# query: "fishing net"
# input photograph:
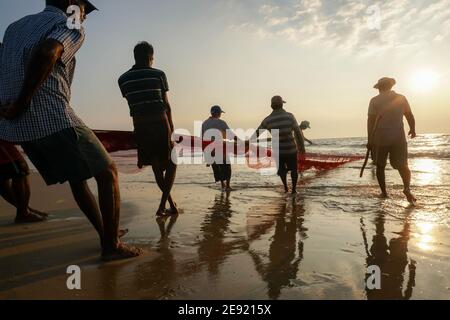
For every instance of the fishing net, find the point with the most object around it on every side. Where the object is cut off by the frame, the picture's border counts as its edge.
(257, 157)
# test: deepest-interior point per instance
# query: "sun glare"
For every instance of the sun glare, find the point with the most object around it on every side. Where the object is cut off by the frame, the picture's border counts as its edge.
(424, 80)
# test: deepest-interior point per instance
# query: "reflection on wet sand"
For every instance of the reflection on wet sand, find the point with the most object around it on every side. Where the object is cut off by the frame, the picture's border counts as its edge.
(392, 258)
(213, 248)
(285, 252)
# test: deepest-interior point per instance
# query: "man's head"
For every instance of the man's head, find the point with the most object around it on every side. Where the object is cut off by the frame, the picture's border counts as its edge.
(144, 53)
(85, 5)
(216, 111)
(277, 103)
(305, 125)
(385, 84)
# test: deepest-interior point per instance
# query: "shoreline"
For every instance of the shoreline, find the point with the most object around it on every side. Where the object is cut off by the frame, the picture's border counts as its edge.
(252, 243)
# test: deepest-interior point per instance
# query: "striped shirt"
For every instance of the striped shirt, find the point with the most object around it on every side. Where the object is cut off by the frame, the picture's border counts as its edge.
(50, 111)
(290, 136)
(143, 87)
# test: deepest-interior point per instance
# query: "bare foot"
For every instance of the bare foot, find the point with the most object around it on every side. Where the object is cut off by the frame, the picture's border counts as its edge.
(29, 218)
(173, 210)
(122, 252)
(160, 212)
(410, 196)
(39, 213)
(123, 233)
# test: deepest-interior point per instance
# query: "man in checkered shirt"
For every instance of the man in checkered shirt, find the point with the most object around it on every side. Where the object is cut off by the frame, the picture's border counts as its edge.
(37, 64)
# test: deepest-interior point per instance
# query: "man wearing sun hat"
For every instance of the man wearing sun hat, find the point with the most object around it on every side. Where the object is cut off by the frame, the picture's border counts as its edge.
(38, 63)
(387, 134)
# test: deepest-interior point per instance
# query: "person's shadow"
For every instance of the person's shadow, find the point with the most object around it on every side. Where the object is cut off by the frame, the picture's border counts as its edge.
(286, 250)
(213, 249)
(392, 258)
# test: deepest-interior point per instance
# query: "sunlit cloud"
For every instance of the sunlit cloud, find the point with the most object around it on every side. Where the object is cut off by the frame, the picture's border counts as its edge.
(355, 25)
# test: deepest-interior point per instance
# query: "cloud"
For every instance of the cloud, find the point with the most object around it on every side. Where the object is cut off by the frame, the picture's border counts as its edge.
(354, 25)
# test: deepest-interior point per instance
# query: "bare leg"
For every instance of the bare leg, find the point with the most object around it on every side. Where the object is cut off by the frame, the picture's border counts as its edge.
(88, 205)
(7, 193)
(405, 173)
(21, 190)
(381, 177)
(294, 176)
(160, 181)
(169, 180)
(283, 177)
(109, 199)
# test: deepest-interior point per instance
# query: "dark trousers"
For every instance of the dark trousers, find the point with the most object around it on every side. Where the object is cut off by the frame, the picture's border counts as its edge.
(222, 172)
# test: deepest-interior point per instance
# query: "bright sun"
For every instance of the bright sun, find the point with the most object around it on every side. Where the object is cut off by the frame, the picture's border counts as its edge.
(424, 80)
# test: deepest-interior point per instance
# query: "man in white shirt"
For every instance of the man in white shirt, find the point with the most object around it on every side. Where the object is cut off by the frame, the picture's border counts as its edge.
(387, 134)
(222, 171)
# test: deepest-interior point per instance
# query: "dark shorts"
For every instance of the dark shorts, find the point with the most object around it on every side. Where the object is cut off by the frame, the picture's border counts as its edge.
(287, 163)
(154, 140)
(12, 163)
(222, 172)
(397, 154)
(72, 155)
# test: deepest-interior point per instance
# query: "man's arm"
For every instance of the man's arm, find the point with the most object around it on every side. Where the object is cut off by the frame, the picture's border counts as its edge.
(412, 124)
(169, 110)
(43, 59)
(370, 129)
(411, 120)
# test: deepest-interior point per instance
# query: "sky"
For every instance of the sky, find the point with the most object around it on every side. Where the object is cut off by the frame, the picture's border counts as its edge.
(322, 56)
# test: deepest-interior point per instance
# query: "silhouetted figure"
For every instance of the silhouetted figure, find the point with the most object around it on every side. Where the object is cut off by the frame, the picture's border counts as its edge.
(222, 170)
(305, 125)
(38, 63)
(15, 185)
(290, 141)
(387, 134)
(146, 90)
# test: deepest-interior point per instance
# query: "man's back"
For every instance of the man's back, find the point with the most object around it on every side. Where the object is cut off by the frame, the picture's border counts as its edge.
(390, 109)
(143, 87)
(50, 109)
(214, 123)
(287, 125)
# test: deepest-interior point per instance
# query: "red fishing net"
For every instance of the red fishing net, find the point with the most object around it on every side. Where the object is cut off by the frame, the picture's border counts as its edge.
(257, 157)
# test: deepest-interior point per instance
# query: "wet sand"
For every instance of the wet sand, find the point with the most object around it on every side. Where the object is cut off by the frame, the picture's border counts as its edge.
(252, 243)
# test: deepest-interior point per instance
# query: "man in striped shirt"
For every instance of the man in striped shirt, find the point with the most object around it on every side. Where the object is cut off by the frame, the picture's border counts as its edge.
(145, 89)
(290, 144)
(37, 64)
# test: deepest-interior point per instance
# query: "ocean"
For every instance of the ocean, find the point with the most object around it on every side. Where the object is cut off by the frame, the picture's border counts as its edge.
(257, 243)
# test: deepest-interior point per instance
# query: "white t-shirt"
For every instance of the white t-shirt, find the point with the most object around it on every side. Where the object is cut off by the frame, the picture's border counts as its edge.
(391, 108)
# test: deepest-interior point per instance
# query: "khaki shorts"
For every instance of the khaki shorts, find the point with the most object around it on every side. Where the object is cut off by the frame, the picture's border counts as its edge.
(397, 154)
(72, 155)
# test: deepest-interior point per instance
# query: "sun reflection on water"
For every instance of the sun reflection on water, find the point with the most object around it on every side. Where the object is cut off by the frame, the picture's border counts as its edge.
(427, 171)
(425, 238)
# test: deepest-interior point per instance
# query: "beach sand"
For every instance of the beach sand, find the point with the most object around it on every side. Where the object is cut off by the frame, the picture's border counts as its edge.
(252, 243)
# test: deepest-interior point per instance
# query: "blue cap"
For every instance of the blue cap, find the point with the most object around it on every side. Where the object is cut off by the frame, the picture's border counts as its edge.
(217, 110)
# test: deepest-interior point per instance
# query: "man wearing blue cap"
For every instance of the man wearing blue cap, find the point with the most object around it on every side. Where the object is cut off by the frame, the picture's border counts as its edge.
(37, 60)
(222, 171)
